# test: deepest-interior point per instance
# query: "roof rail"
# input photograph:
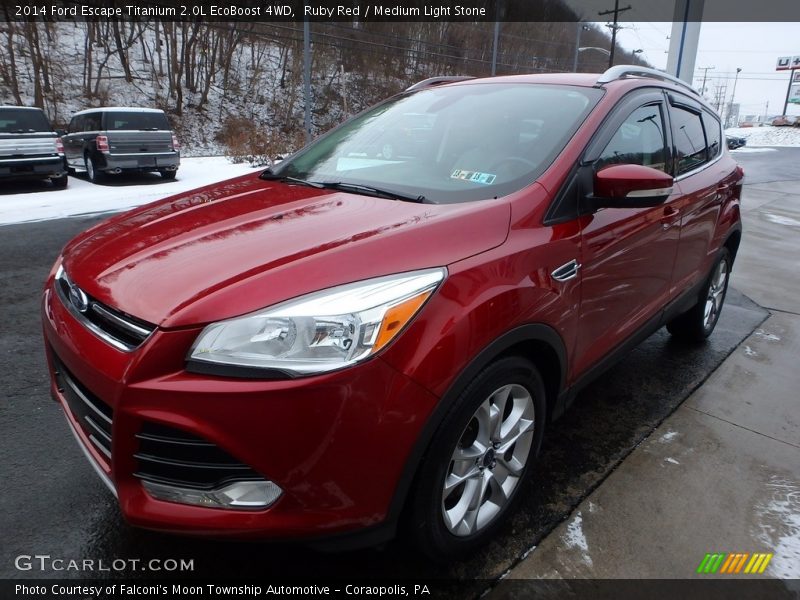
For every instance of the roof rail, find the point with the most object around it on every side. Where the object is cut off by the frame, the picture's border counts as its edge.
(434, 81)
(620, 71)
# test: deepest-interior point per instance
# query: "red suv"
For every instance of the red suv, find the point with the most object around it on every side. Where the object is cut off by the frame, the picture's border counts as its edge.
(348, 342)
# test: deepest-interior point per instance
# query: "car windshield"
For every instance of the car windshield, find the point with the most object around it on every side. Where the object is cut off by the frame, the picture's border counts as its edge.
(136, 121)
(449, 144)
(21, 120)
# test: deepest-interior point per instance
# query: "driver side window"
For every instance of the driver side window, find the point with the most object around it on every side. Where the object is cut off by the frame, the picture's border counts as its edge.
(638, 141)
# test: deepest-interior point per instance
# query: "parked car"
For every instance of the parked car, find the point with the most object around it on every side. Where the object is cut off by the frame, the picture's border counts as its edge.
(786, 121)
(29, 147)
(734, 141)
(341, 347)
(113, 140)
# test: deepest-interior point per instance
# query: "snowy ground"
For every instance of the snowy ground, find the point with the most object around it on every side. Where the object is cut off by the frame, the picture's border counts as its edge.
(33, 201)
(22, 202)
(760, 137)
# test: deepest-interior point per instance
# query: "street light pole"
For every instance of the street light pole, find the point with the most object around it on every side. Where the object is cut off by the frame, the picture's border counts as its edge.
(733, 95)
(581, 28)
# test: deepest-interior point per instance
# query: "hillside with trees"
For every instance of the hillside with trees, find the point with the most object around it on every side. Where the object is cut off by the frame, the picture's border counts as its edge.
(237, 87)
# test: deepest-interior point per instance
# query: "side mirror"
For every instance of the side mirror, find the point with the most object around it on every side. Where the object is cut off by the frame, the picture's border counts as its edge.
(630, 186)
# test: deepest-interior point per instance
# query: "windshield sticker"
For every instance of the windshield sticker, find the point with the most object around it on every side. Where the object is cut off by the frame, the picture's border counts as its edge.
(474, 176)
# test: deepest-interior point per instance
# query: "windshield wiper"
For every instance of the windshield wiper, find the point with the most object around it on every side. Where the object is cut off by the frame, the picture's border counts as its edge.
(369, 190)
(268, 175)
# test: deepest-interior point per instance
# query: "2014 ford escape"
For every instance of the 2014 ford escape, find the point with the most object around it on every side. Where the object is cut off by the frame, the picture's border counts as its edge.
(349, 341)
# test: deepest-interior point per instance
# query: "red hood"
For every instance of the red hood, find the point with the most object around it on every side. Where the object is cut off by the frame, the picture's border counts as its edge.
(243, 244)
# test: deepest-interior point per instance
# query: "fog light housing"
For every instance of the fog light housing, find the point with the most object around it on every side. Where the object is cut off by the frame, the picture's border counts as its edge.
(243, 495)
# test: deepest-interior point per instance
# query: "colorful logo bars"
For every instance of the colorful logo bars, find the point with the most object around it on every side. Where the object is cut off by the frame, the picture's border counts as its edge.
(734, 563)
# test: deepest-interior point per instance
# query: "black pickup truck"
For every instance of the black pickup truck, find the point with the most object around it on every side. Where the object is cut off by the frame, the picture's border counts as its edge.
(29, 148)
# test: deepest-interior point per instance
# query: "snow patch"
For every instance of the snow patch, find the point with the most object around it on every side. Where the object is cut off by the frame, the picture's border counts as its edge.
(779, 527)
(575, 538)
(668, 437)
(771, 337)
(84, 198)
(781, 220)
(766, 136)
(746, 150)
(748, 351)
(671, 460)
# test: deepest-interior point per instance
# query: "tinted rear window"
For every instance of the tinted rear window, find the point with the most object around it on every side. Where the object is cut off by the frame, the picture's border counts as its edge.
(20, 120)
(135, 121)
(690, 142)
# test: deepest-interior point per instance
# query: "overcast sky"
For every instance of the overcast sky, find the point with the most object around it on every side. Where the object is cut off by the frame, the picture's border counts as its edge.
(752, 47)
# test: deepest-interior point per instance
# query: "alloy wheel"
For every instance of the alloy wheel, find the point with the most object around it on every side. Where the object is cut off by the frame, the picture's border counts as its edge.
(488, 461)
(716, 294)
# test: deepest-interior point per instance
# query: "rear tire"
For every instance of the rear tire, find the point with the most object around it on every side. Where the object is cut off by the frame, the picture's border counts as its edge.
(168, 175)
(60, 182)
(478, 460)
(92, 172)
(699, 322)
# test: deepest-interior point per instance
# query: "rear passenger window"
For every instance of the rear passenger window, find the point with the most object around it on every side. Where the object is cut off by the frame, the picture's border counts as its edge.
(713, 135)
(638, 141)
(76, 125)
(690, 142)
(92, 122)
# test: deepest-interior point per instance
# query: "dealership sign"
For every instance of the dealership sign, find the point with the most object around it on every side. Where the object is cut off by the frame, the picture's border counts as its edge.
(787, 63)
(794, 95)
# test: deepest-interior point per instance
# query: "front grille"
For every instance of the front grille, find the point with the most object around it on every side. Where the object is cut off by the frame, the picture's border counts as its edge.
(94, 416)
(116, 328)
(173, 457)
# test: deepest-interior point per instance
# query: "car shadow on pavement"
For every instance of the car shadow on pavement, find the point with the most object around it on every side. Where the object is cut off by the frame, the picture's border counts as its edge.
(124, 179)
(27, 186)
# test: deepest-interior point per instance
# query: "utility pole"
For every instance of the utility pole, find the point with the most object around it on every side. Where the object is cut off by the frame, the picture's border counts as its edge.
(614, 28)
(705, 71)
(496, 39)
(733, 96)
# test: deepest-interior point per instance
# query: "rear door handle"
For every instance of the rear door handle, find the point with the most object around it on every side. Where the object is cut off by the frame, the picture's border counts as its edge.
(566, 271)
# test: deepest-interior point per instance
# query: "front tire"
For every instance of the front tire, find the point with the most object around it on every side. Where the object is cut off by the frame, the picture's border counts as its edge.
(478, 460)
(699, 322)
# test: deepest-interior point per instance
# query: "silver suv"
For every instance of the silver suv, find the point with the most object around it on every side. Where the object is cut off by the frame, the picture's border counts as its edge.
(29, 148)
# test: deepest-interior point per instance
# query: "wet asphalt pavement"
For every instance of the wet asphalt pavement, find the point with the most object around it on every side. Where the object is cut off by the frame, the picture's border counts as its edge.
(53, 503)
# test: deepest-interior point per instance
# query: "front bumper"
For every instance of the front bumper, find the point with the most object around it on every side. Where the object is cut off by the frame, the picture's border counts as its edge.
(336, 444)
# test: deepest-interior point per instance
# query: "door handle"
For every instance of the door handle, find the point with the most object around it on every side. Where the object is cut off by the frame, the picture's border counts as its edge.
(669, 217)
(566, 271)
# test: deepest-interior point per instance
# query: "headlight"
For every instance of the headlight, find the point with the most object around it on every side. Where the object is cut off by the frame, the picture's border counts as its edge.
(318, 332)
